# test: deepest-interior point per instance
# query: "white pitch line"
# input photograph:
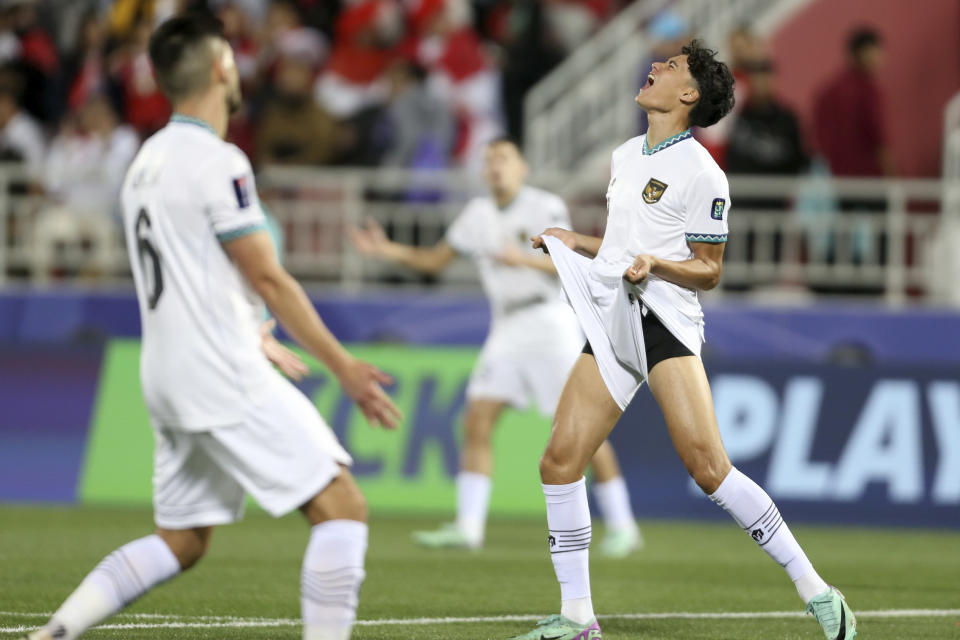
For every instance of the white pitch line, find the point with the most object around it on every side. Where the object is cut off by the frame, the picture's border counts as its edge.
(218, 622)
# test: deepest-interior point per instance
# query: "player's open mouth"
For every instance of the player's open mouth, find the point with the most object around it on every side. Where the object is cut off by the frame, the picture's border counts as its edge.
(650, 80)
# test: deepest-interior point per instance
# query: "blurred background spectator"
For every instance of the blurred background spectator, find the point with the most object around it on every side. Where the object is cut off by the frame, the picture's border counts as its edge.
(82, 177)
(765, 135)
(851, 135)
(849, 112)
(418, 128)
(293, 128)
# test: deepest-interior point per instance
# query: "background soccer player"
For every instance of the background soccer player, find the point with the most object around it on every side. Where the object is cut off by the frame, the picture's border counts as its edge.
(532, 344)
(635, 294)
(226, 423)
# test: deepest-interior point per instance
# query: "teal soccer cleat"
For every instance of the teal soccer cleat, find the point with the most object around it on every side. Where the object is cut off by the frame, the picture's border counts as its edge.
(449, 536)
(834, 615)
(619, 543)
(556, 627)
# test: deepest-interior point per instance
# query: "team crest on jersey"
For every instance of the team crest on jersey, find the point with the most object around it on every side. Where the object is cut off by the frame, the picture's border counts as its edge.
(240, 190)
(654, 191)
(716, 209)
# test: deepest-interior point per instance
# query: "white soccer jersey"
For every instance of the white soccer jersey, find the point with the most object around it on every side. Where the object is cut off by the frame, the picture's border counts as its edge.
(187, 191)
(659, 201)
(483, 230)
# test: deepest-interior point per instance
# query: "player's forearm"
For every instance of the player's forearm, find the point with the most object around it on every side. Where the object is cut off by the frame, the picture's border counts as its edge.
(289, 303)
(695, 273)
(541, 263)
(588, 245)
(424, 260)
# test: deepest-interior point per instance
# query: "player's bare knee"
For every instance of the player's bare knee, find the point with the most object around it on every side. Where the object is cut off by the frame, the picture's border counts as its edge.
(340, 500)
(357, 506)
(559, 467)
(708, 474)
(187, 545)
(477, 433)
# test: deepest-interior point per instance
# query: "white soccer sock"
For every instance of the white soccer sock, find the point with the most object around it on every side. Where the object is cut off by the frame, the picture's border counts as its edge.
(568, 519)
(473, 499)
(119, 579)
(331, 579)
(757, 514)
(614, 503)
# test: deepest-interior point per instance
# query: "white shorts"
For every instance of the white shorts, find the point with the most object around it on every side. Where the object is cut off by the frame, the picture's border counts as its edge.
(282, 454)
(527, 357)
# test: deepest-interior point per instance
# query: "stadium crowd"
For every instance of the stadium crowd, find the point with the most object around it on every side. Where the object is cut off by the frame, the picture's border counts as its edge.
(402, 83)
(417, 83)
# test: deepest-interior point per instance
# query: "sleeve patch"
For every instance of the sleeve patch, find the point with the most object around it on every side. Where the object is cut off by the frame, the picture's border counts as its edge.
(716, 209)
(241, 191)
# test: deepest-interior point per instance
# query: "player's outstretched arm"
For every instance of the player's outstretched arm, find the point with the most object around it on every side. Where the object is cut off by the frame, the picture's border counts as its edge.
(702, 271)
(584, 244)
(514, 256)
(370, 240)
(255, 258)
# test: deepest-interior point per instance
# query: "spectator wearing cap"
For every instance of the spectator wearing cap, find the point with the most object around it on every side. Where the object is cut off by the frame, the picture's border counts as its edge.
(294, 129)
(765, 138)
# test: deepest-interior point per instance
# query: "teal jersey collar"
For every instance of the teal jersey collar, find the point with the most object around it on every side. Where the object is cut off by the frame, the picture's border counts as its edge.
(669, 142)
(179, 117)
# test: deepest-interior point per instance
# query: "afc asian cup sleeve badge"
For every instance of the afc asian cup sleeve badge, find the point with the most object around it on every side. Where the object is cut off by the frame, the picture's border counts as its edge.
(241, 191)
(716, 209)
(654, 191)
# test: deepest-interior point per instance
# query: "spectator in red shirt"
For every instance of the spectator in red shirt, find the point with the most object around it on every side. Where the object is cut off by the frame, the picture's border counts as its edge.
(849, 113)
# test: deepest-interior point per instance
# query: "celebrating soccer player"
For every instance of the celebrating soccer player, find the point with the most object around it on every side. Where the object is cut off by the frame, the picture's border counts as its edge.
(532, 344)
(226, 423)
(635, 295)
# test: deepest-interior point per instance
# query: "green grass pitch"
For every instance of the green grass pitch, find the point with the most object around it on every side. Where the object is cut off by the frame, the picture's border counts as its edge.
(252, 572)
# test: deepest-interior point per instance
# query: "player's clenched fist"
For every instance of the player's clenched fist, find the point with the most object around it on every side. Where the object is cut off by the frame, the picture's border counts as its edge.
(363, 382)
(640, 269)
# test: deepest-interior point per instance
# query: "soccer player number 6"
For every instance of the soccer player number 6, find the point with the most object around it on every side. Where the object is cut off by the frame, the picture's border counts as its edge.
(146, 250)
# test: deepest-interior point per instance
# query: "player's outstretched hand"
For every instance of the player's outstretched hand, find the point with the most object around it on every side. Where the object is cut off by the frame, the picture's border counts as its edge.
(363, 382)
(370, 239)
(567, 237)
(287, 361)
(640, 269)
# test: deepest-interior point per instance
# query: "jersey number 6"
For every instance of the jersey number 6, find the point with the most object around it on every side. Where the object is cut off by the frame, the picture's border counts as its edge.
(146, 250)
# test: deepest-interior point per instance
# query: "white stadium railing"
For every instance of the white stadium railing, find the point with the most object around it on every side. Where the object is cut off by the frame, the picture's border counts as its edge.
(787, 235)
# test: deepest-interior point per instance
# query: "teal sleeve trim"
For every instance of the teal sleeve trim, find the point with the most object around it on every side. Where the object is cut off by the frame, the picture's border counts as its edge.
(710, 238)
(242, 231)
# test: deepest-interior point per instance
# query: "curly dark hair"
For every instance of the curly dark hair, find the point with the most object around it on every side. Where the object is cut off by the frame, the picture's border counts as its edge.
(714, 82)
